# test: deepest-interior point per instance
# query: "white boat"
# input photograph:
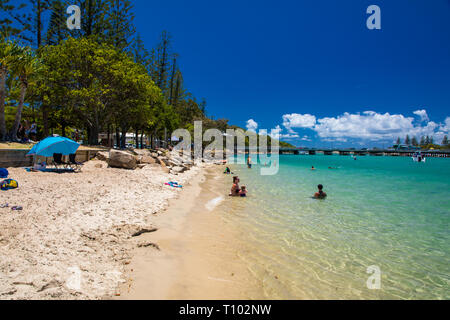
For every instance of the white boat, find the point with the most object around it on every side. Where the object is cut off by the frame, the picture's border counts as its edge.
(417, 157)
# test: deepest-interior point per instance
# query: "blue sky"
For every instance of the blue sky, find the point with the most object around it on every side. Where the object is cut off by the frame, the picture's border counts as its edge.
(312, 69)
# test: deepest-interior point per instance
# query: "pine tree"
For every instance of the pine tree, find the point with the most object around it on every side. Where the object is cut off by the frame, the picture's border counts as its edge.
(414, 141)
(172, 79)
(445, 141)
(407, 140)
(398, 141)
(431, 140)
(93, 19)
(162, 64)
(10, 19)
(422, 141)
(120, 29)
(57, 29)
(427, 140)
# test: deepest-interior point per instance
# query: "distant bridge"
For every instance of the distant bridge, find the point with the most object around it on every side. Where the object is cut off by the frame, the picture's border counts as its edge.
(364, 152)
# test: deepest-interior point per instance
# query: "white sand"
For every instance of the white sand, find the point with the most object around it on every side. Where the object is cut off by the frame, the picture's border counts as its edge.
(76, 221)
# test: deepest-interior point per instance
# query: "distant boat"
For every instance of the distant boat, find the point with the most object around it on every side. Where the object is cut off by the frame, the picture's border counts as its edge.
(417, 157)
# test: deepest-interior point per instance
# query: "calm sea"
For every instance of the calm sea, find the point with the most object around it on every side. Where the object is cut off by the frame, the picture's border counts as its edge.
(387, 212)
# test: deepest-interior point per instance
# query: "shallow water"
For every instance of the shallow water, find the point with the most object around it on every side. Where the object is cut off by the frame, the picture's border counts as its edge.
(384, 211)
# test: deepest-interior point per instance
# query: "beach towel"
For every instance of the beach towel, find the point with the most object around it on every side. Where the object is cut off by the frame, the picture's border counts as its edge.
(173, 184)
(3, 173)
(8, 184)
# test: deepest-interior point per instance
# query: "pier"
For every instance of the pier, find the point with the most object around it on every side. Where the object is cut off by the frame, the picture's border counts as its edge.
(365, 152)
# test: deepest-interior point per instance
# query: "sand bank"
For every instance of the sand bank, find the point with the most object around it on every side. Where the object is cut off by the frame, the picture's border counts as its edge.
(198, 255)
(77, 226)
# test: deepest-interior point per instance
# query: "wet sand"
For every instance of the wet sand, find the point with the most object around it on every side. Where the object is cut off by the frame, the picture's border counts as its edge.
(198, 255)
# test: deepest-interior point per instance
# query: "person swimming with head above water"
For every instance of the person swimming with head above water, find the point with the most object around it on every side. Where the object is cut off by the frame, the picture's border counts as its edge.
(243, 192)
(320, 194)
(235, 188)
(227, 170)
(312, 168)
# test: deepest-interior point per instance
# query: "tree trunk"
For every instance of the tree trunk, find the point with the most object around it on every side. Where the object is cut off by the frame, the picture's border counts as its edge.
(123, 139)
(45, 121)
(142, 140)
(2, 104)
(136, 138)
(23, 91)
(108, 136)
(63, 129)
(117, 137)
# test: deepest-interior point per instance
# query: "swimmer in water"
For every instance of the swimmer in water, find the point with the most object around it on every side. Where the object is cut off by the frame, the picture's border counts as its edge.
(243, 192)
(235, 188)
(320, 194)
(312, 168)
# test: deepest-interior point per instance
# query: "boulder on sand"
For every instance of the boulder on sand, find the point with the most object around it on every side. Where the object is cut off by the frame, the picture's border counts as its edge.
(102, 156)
(147, 160)
(122, 159)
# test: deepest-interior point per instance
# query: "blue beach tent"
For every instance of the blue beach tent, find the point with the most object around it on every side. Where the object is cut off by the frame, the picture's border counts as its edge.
(51, 145)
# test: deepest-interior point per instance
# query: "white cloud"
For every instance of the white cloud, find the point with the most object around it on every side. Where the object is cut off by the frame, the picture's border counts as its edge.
(445, 128)
(422, 114)
(277, 134)
(252, 125)
(368, 125)
(295, 120)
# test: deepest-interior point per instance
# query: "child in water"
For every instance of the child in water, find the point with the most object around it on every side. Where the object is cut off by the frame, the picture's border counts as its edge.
(243, 192)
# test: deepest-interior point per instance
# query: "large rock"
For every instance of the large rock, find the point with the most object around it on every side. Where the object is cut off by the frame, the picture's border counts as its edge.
(142, 152)
(122, 159)
(147, 160)
(102, 156)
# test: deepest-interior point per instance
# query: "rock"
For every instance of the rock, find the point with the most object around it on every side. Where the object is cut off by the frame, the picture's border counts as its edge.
(141, 165)
(143, 230)
(145, 244)
(178, 169)
(154, 155)
(103, 156)
(147, 160)
(175, 162)
(162, 160)
(99, 165)
(164, 167)
(122, 159)
(141, 152)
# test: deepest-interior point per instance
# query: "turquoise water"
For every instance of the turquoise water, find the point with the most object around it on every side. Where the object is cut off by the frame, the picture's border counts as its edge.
(384, 211)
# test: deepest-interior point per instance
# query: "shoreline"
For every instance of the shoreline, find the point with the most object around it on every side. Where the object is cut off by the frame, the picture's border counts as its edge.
(199, 251)
(77, 226)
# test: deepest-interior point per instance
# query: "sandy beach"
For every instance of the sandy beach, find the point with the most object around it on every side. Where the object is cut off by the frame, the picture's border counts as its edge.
(199, 251)
(84, 224)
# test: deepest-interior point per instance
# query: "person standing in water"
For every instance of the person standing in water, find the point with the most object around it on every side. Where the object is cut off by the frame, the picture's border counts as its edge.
(249, 162)
(320, 194)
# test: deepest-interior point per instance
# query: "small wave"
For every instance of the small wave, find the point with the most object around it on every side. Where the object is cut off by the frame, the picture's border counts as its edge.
(211, 204)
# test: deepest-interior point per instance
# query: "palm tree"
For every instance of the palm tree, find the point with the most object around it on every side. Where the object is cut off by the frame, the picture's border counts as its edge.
(25, 66)
(8, 54)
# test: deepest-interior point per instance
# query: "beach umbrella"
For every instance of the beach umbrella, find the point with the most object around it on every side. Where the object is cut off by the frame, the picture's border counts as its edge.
(51, 145)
